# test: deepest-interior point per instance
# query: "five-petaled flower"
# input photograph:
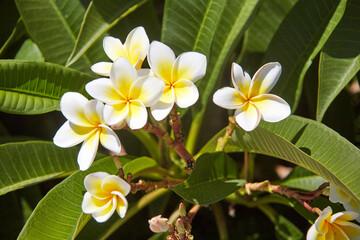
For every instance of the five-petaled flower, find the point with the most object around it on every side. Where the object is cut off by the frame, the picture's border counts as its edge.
(134, 49)
(339, 195)
(85, 124)
(251, 97)
(337, 226)
(127, 94)
(179, 76)
(158, 224)
(105, 194)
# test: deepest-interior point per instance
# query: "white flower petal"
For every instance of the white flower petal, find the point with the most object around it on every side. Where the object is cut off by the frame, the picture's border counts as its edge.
(92, 183)
(122, 205)
(163, 107)
(113, 183)
(321, 223)
(272, 107)
(351, 230)
(122, 76)
(190, 66)
(104, 214)
(137, 116)
(147, 90)
(114, 48)
(265, 79)
(161, 59)
(343, 216)
(91, 204)
(137, 46)
(228, 98)
(353, 206)
(144, 72)
(88, 151)
(102, 68)
(70, 135)
(312, 234)
(94, 112)
(103, 90)
(338, 195)
(109, 139)
(114, 114)
(247, 116)
(72, 107)
(241, 80)
(186, 93)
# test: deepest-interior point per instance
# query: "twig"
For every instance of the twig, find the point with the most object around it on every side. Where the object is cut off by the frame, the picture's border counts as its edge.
(148, 186)
(175, 123)
(222, 141)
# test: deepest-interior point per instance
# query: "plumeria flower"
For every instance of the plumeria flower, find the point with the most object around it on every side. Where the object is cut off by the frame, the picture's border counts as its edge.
(251, 97)
(338, 195)
(134, 49)
(158, 224)
(105, 194)
(85, 124)
(337, 226)
(179, 76)
(127, 94)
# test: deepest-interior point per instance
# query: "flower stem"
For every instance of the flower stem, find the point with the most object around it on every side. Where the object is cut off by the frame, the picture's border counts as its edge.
(246, 156)
(228, 133)
(149, 186)
(220, 221)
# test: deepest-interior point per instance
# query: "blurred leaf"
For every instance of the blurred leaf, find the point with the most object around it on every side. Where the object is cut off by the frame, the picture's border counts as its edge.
(149, 142)
(58, 215)
(159, 236)
(261, 31)
(284, 229)
(11, 212)
(28, 163)
(315, 20)
(138, 164)
(304, 142)
(28, 87)
(29, 51)
(100, 16)
(340, 58)
(214, 178)
(29, 197)
(303, 179)
(16, 34)
(8, 18)
(54, 25)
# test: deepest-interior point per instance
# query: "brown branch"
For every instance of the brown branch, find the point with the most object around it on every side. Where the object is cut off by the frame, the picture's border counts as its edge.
(222, 141)
(148, 186)
(175, 123)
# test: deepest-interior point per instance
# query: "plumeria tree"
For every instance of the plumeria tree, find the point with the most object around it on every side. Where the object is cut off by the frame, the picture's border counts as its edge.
(223, 119)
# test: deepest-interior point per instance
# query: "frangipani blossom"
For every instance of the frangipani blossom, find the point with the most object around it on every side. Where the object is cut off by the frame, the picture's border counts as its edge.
(105, 194)
(179, 76)
(158, 224)
(251, 97)
(127, 94)
(85, 124)
(134, 49)
(338, 195)
(336, 227)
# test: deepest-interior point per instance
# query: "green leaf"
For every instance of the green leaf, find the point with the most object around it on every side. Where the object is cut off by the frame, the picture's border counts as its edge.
(284, 229)
(28, 163)
(137, 165)
(53, 25)
(58, 215)
(315, 20)
(214, 178)
(28, 87)
(303, 179)
(340, 58)
(18, 32)
(304, 142)
(149, 142)
(29, 51)
(100, 16)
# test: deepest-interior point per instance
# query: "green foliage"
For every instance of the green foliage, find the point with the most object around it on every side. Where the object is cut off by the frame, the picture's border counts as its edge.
(301, 178)
(214, 177)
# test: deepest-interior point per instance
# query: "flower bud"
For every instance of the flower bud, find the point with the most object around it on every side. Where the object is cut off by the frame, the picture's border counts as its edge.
(180, 226)
(158, 224)
(182, 210)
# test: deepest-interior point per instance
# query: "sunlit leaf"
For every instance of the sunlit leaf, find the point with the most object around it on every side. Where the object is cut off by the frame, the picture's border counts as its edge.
(215, 176)
(340, 58)
(29, 51)
(303, 179)
(28, 87)
(138, 164)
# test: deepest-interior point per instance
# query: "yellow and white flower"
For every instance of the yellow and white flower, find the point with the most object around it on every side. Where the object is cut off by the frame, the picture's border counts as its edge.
(251, 97)
(127, 94)
(335, 227)
(105, 194)
(179, 76)
(338, 195)
(85, 124)
(158, 224)
(134, 49)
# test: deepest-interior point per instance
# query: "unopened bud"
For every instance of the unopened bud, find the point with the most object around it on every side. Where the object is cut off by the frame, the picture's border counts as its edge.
(158, 224)
(180, 226)
(182, 210)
